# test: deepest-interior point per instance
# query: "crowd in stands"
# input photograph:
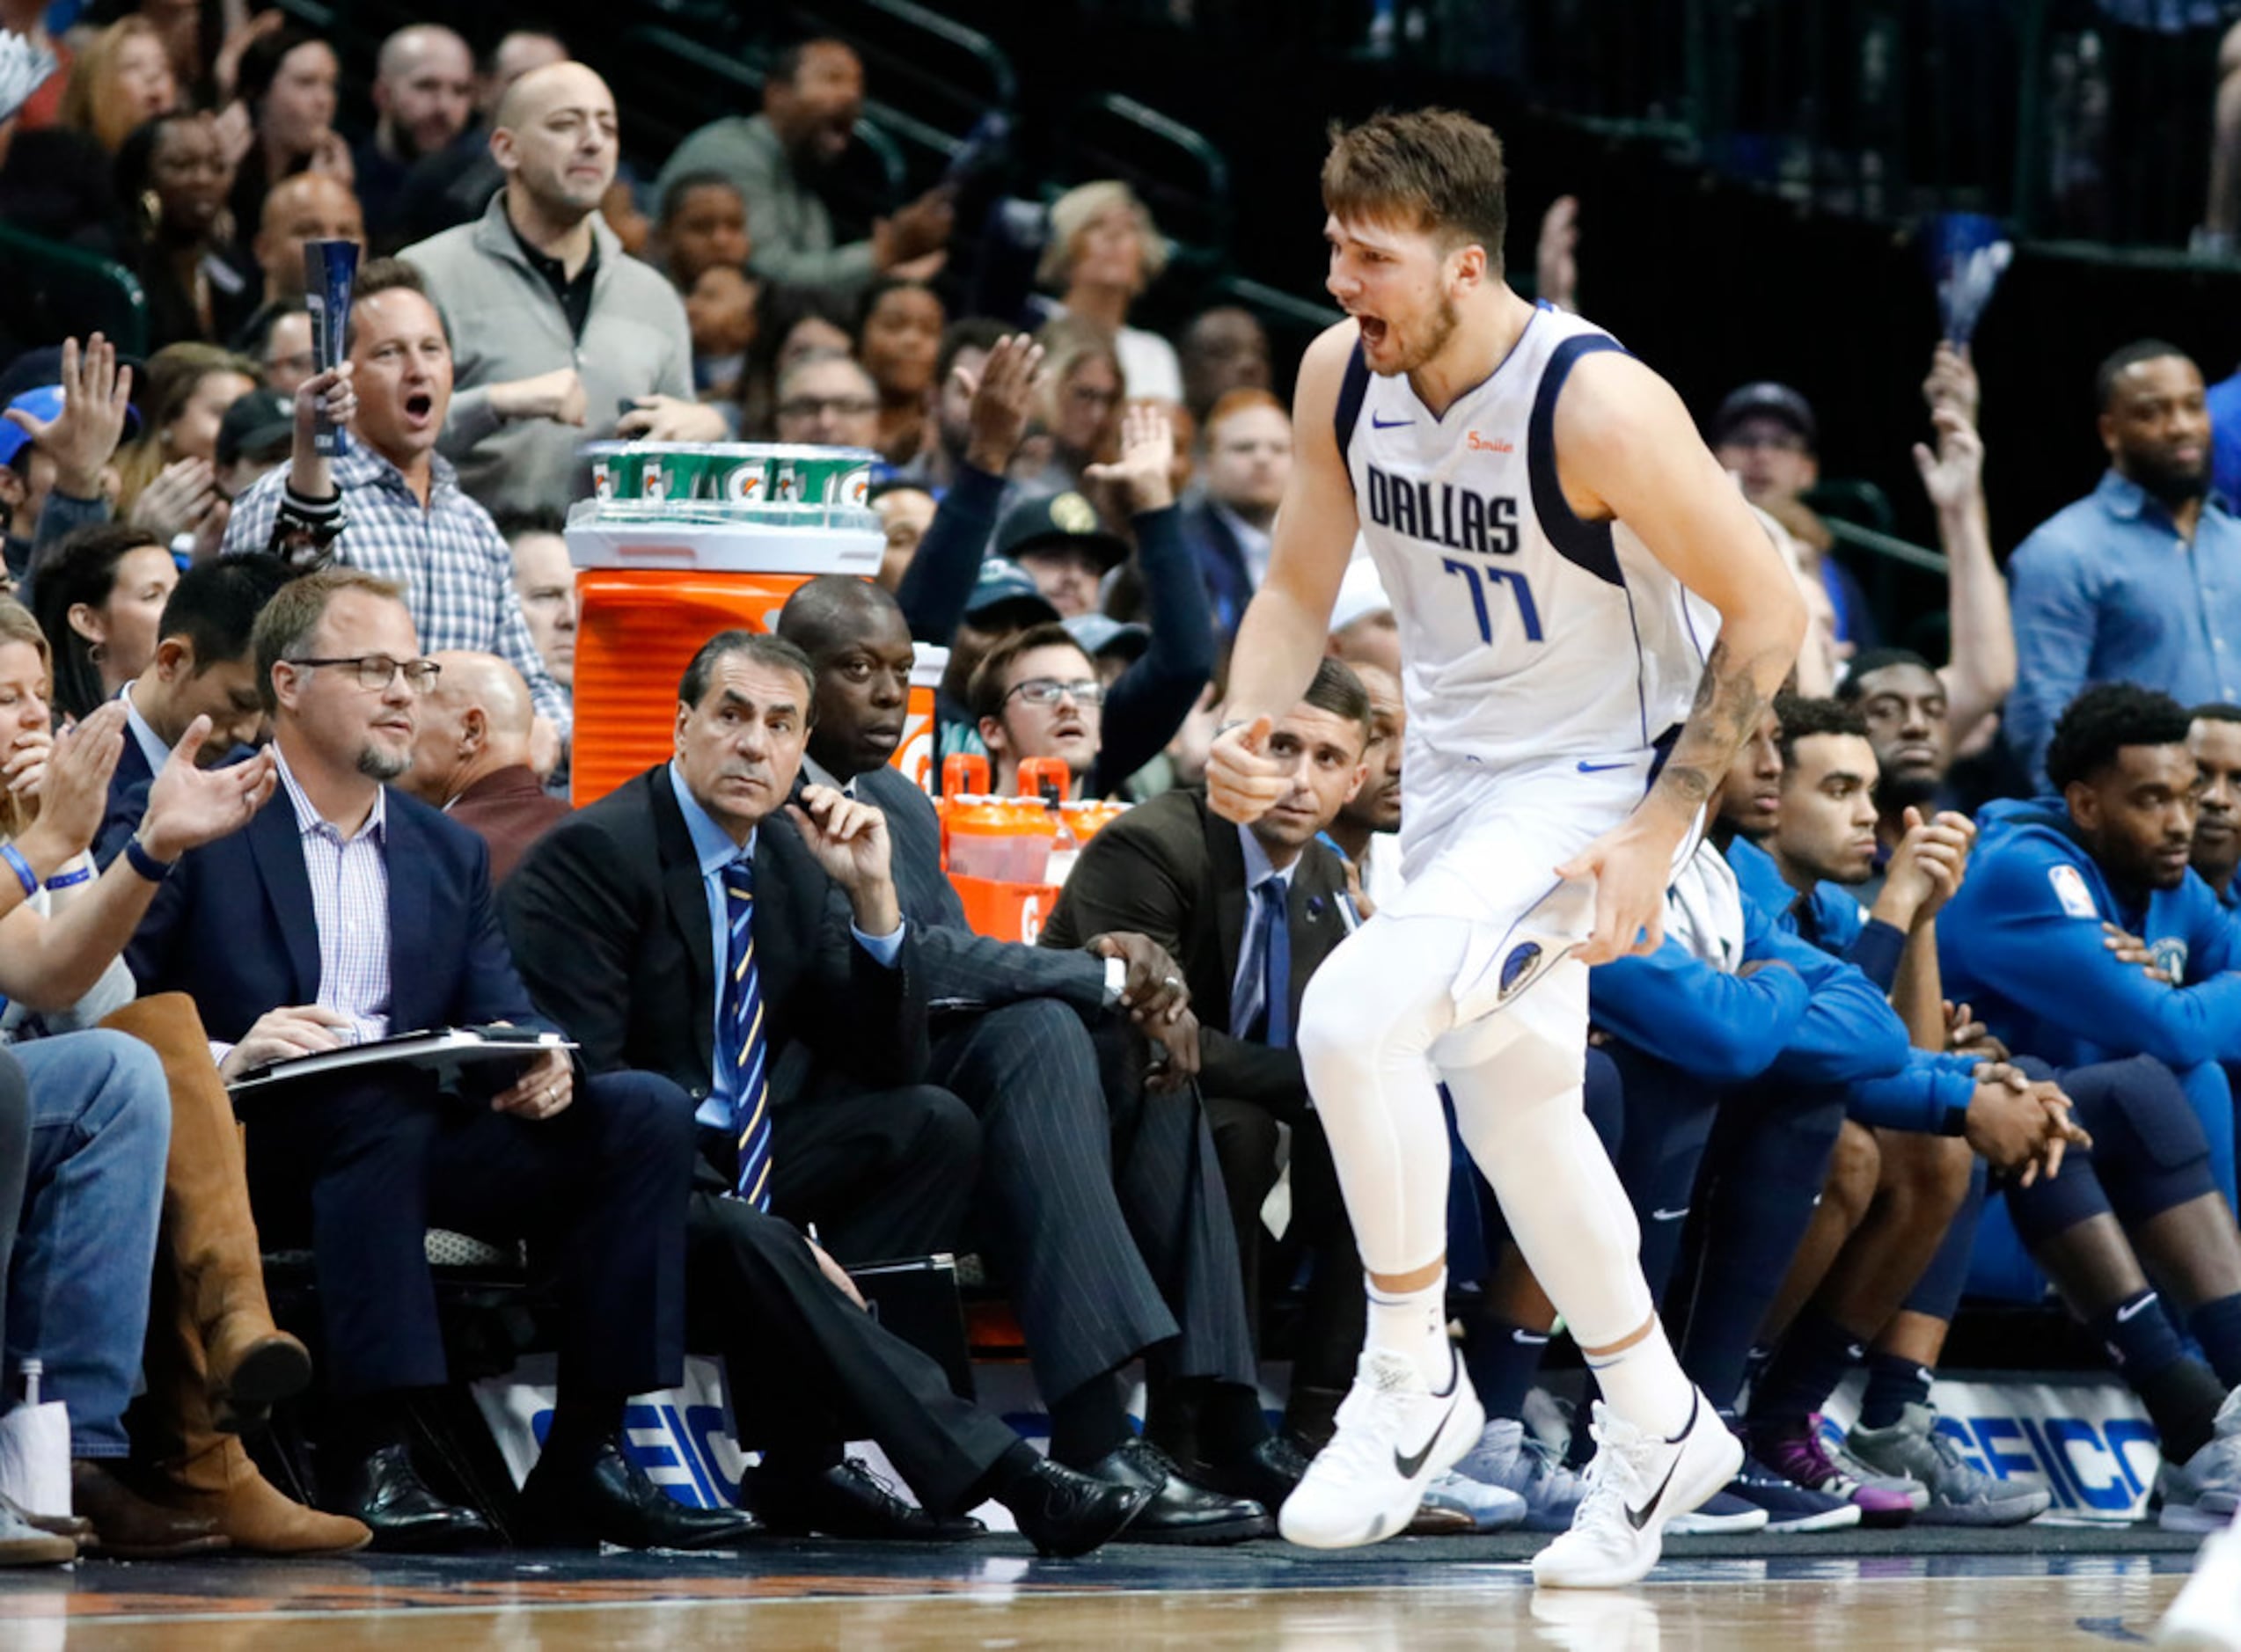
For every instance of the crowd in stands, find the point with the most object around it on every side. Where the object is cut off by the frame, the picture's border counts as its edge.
(1945, 1008)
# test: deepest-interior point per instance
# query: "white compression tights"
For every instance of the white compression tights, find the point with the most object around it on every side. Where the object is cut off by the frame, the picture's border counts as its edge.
(1372, 1014)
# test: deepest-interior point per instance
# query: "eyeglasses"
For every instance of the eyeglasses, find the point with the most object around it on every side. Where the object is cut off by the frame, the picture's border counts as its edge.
(377, 671)
(1048, 691)
(813, 407)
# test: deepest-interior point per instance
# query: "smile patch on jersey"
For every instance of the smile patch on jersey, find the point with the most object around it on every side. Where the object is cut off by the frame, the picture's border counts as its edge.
(2070, 890)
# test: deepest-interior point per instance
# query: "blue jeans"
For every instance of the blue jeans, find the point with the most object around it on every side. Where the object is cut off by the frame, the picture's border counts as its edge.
(85, 1246)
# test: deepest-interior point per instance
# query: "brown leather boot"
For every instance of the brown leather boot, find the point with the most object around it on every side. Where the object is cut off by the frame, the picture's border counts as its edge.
(126, 1526)
(209, 1240)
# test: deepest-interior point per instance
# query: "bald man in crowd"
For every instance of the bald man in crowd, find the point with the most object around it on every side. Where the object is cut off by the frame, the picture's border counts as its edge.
(471, 745)
(553, 327)
(423, 98)
(307, 207)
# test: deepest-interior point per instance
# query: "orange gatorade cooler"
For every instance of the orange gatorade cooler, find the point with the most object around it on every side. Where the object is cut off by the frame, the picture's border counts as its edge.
(658, 573)
(914, 756)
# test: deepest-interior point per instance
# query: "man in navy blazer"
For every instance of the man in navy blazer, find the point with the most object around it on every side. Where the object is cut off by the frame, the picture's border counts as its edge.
(202, 668)
(347, 913)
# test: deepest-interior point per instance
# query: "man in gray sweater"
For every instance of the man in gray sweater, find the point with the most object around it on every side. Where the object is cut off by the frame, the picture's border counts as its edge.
(554, 328)
(811, 100)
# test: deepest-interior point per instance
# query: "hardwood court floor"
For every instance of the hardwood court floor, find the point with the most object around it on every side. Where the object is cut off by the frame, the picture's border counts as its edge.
(832, 1598)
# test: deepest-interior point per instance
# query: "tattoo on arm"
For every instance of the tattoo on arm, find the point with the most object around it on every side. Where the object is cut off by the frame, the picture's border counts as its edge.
(1729, 704)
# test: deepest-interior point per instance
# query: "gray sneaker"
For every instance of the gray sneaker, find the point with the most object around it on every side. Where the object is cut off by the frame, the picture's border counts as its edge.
(1960, 1495)
(2201, 1494)
(1505, 1455)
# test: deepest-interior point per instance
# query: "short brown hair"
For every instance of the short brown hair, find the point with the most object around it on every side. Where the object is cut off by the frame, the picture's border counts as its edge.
(1336, 689)
(295, 612)
(389, 275)
(1434, 170)
(1237, 401)
(984, 697)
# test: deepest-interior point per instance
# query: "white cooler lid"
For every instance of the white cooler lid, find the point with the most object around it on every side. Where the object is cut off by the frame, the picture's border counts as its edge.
(720, 547)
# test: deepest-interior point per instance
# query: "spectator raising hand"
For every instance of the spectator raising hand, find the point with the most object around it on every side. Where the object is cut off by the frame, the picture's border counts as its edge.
(97, 395)
(1145, 470)
(1003, 399)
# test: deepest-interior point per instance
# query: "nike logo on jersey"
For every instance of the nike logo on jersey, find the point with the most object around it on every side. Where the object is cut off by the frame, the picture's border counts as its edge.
(1377, 423)
(1599, 768)
(1445, 515)
(1669, 1215)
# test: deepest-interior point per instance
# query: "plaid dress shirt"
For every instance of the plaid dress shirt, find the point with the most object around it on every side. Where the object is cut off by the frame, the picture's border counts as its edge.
(456, 571)
(349, 880)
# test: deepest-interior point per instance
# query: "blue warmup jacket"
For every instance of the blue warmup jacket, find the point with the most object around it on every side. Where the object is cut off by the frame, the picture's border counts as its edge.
(2022, 943)
(1925, 1091)
(1845, 927)
(1815, 1020)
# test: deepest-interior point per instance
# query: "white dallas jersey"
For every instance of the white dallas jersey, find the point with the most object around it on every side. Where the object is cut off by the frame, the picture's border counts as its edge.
(1527, 634)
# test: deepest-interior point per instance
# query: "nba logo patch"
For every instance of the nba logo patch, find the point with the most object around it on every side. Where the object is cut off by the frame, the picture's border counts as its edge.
(2070, 890)
(1517, 967)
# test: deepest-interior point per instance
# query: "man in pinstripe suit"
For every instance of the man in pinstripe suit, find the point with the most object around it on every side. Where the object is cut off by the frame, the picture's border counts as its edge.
(1104, 1208)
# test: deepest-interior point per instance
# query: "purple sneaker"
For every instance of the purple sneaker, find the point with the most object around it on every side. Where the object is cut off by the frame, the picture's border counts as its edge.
(1798, 1451)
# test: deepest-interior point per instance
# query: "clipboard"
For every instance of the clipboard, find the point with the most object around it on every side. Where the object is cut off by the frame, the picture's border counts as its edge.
(445, 1051)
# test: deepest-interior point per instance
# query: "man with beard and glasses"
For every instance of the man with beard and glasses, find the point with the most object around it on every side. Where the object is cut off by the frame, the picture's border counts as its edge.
(2214, 735)
(779, 157)
(2139, 581)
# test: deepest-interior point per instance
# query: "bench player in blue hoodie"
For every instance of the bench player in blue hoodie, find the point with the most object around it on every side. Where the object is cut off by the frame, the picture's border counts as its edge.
(1734, 1017)
(2029, 941)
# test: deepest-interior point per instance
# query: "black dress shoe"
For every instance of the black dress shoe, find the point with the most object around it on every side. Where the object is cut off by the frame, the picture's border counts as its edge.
(1066, 1514)
(1267, 1473)
(848, 1500)
(405, 1517)
(611, 1501)
(1179, 1511)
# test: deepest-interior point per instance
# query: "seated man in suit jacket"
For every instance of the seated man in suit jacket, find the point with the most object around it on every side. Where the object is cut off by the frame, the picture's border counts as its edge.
(471, 757)
(1099, 1273)
(202, 668)
(682, 923)
(346, 912)
(1252, 911)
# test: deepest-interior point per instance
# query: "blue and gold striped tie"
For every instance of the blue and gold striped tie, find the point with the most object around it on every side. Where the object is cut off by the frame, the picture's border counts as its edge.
(743, 1043)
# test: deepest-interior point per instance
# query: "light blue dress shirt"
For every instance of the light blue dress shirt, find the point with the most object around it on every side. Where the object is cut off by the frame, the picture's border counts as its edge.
(2108, 591)
(714, 849)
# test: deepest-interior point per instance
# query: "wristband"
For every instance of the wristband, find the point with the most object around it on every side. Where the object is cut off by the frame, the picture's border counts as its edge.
(70, 879)
(21, 867)
(303, 528)
(145, 864)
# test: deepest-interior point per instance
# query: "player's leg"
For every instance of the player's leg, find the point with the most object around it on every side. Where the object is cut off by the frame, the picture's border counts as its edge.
(1662, 1449)
(1367, 1027)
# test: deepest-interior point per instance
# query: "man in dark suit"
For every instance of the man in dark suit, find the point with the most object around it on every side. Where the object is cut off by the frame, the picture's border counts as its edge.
(682, 922)
(1098, 1273)
(471, 757)
(1251, 912)
(202, 668)
(344, 913)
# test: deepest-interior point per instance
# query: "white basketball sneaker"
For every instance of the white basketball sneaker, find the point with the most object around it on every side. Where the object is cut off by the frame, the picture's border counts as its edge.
(2206, 1615)
(1636, 1483)
(1394, 1435)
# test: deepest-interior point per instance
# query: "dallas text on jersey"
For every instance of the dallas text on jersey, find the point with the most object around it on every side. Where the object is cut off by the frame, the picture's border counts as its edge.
(1440, 513)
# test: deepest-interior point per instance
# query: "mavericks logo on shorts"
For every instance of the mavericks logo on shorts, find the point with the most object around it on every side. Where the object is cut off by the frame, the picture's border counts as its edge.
(1519, 968)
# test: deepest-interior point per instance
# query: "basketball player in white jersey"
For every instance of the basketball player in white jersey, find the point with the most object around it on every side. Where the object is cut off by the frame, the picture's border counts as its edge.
(1541, 510)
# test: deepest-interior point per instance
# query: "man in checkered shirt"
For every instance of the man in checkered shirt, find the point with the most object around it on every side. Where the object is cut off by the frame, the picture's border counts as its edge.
(391, 504)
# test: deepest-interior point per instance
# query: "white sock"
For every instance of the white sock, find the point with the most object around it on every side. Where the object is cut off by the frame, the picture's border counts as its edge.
(1646, 1384)
(1415, 1323)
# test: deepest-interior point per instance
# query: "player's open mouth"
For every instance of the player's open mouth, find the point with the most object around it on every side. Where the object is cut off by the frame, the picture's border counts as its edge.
(1373, 331)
